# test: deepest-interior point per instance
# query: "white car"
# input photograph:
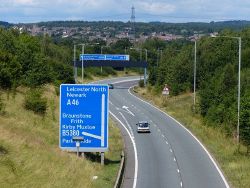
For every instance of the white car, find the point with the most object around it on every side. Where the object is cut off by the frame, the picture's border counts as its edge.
(143, 127)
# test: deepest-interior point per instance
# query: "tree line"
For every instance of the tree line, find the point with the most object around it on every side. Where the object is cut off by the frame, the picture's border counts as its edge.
(216, 79)
(32, 61)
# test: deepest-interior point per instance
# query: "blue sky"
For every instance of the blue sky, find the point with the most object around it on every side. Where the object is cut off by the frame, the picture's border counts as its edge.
(25, 11)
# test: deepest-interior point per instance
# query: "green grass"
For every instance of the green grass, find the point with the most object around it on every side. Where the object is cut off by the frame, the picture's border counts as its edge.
(95, 77)
(234, 163)
(30, 156)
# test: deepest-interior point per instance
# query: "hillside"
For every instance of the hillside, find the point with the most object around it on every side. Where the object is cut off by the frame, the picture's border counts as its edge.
(29, 152)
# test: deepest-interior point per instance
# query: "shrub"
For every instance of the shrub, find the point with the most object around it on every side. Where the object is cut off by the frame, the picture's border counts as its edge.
(35, 102)
(141, 83)
(1, 105)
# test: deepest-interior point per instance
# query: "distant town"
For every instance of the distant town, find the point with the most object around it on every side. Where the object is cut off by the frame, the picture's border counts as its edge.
(111, 31)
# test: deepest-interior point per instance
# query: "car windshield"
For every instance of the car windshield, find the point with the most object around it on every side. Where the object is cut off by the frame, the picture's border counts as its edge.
(143, 124)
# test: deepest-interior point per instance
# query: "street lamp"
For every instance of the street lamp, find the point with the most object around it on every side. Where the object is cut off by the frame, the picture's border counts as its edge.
(239, 67)
(83, 45)
(195, 61)
(74, 69)
(83, 48)
(102, 52)
(145, 70)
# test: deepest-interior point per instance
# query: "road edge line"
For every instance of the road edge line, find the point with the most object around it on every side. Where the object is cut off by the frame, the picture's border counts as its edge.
(134, 146)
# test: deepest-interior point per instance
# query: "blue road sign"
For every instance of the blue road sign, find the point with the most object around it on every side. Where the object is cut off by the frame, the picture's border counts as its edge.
(84, 113)
(117, 57)
(110, 57)
(92, 57)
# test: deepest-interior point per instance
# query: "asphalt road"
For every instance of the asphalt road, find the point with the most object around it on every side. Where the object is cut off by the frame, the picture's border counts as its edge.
(169, 156)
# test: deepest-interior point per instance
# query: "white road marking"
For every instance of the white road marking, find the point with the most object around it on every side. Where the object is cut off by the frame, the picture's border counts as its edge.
(163, 136)
(135, 149)
(174, 159)
(166, 142)
(171, 150)
(126, 108)
(130, 128)
(181, 183)
(203, 147)
(178, 170)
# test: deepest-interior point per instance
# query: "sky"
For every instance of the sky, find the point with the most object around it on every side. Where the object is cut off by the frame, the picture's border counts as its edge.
(30, 11)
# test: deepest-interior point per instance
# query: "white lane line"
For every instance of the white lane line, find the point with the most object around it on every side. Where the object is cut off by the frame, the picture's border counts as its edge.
(163, 136)
(135, 149)
(159, 130)
(171, 150)
(130, 128)
(166, 142)
(174, 159)
(181, 183)
(111, 102)
(178, 170)
(203, 147)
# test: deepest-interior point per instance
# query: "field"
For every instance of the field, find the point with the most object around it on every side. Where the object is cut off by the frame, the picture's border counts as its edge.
(29, 152)
(234, 162)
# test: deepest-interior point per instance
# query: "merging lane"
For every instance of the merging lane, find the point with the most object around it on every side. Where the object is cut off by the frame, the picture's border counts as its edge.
(169, 156)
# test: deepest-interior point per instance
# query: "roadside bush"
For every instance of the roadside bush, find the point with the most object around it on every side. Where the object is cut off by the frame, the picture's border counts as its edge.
(141, 83)
(35, 102)
(1, 105)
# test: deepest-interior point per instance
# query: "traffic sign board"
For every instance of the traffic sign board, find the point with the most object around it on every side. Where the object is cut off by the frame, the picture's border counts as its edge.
(92, 57)
(100, 57)
(84, 113)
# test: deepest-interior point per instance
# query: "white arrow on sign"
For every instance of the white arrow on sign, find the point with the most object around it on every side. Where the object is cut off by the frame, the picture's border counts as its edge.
(126, 108)
(102, 124)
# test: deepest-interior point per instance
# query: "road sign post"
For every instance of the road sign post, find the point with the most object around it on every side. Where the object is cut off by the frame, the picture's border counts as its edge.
(84, 113)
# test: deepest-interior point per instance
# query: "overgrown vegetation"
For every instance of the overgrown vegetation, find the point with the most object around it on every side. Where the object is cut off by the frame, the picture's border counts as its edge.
(31, 71)
(35, 102)
(217, 77)
(30, 156)
(32, 61)
(1, 104)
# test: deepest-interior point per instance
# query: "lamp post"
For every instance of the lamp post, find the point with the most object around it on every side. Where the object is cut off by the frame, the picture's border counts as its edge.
(83, 49)
(101, 53)
(145, 70)
(83, 45)
(195, 61)
(74, 69)
(238, 98)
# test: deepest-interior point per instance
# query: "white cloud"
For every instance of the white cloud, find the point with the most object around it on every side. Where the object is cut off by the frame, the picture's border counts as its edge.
(156, 7)
(164, 10)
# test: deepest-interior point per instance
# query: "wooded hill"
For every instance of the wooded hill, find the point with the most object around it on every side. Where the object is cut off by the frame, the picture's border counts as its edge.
(217, 77)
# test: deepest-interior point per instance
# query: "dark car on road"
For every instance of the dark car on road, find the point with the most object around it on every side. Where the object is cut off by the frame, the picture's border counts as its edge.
(111, 86)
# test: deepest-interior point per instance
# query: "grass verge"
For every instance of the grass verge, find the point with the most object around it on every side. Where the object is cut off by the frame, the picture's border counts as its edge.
(30, 156)
(234, 163)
